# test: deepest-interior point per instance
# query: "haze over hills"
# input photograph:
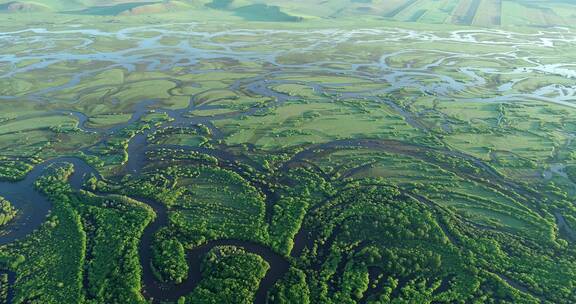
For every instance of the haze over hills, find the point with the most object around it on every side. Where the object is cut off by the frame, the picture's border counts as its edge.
(491, 13)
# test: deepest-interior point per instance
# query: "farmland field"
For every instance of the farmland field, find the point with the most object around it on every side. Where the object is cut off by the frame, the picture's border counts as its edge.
(287, 152)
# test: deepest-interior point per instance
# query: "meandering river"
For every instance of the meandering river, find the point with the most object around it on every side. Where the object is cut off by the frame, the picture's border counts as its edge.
(197, 45)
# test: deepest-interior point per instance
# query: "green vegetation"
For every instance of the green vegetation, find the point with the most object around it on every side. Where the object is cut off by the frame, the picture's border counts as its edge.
(113, 226)
(169, 261)
(111, 10)
(4, 286)
(263, 12)
(49, 263)
(13, 170)
(338, 151)
(80, 237)
(489, 13)
(107, 120)
(292, 289)
(7, 211)
(231, 275)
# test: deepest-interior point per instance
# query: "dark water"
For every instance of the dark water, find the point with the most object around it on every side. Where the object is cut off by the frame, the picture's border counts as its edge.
(32, 206)
(155, 290)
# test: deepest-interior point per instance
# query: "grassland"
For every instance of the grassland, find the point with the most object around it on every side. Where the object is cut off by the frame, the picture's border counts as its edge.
(484, 13)
(293, 159)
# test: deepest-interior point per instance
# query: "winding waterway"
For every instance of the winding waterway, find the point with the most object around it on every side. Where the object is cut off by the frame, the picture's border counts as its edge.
(196, 43)
(34, 207)
(153, 55)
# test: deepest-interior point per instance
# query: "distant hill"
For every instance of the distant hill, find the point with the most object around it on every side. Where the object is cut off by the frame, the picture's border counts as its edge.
(23, 6)
(484, 13)
(133, 8)
(157, 8)
(255, 11)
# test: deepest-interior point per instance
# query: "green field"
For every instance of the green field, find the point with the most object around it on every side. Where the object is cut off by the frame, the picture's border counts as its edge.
(241, 151)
